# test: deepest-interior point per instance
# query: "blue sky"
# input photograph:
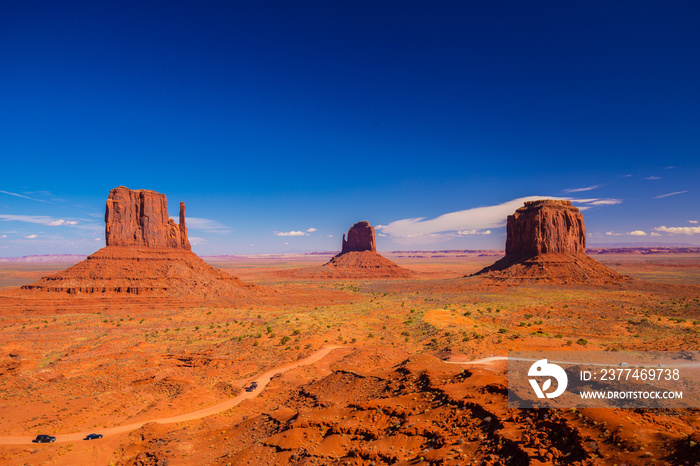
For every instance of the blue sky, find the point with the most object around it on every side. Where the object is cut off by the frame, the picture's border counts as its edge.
(280, 124)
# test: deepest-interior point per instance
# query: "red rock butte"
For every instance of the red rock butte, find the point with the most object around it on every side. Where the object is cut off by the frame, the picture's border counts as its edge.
(146, 254)
(140, 218)
(546, 241)
(358, 258)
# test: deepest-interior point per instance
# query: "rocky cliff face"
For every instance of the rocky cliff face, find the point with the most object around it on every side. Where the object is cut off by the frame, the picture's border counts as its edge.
(545, 226)
(360, 238)
(140, 218)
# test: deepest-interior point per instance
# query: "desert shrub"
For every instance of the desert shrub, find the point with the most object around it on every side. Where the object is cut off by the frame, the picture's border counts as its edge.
(502, 330)
(284, 340)
(296, 332)
(582, 341)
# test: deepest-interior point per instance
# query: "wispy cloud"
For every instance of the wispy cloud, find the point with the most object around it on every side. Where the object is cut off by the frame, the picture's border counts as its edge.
(39, 219)
(692, 221)
(311, 230)
(206, 225)
(679, 230)
(478, 220)
(22, 196)
(290, 233)
(579, 190)
(670, 194)
(652, 178)
(31, 236)
(195, 240)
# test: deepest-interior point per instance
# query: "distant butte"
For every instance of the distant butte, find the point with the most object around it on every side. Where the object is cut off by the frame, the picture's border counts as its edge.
(360, 238)
(546, 241)
(146, 254)
(358, 258)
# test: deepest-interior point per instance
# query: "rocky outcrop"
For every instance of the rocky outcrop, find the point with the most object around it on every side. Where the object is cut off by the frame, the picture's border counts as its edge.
(545, 226)
(360, 238)
(546, 242)
(147, 254)
(140, 218)
(357, 259)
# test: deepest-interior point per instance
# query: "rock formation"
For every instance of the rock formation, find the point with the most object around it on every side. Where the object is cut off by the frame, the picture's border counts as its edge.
(140, 218)
(358, 258)
(146, 254)
(360, 238)
(546, 241)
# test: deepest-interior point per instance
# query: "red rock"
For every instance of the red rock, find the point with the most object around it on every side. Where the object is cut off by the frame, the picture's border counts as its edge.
(360, 238)
(546, 241)
(140, 218)
(546, 226)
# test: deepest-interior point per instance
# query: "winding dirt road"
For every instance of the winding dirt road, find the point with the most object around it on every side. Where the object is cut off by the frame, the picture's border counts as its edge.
(262, 381)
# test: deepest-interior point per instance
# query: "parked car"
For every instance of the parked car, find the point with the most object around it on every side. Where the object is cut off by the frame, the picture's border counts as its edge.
(93, 437)
(44, 439)
(623, 363)
(251, 387)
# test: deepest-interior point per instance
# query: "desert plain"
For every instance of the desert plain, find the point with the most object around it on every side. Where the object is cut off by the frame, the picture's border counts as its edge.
(396, 382)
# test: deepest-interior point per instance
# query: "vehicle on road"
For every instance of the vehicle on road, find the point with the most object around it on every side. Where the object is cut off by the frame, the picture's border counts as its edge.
(44, 439)
(623, 363)
(93, 437)
(251, 387)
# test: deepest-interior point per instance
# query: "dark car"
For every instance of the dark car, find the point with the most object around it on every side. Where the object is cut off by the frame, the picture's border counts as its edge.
(93, 437)
(44, 439)
(251, 387)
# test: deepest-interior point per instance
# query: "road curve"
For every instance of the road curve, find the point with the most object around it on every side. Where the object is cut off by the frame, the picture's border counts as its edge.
(262, 381)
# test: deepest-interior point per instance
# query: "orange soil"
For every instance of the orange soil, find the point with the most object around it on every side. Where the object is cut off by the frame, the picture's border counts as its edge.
(90, 362)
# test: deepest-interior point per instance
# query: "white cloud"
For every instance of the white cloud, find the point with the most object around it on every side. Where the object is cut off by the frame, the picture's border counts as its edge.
(692, 221)
(40, 219)
(60, 222)
(311, 230)
(653, 233)
(629, 233)
(679, 230)
(286, 243)
(290, 233)
(670, 194)
(578, 190)
(31, 236)
(205, 224)
(652, 178)
(98, 239)
(480, 219)
(3, 236)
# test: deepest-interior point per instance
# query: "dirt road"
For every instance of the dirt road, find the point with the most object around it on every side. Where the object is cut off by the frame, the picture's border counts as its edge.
(262, 381)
